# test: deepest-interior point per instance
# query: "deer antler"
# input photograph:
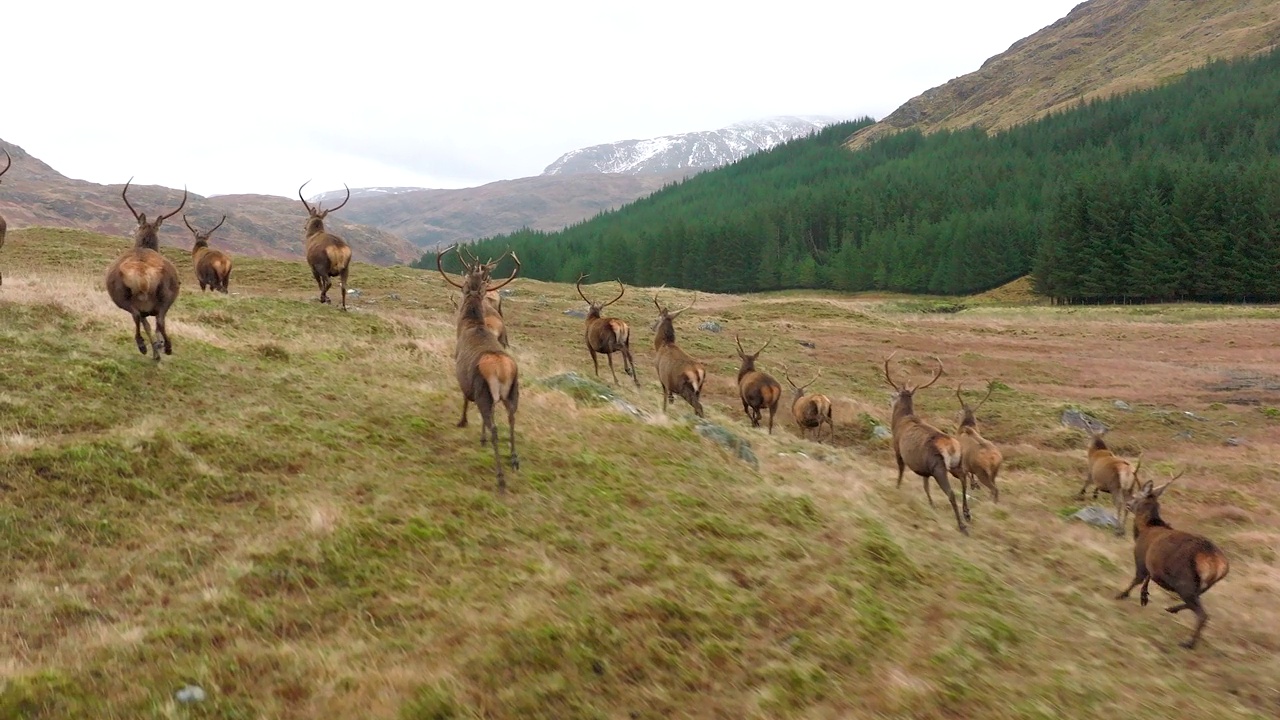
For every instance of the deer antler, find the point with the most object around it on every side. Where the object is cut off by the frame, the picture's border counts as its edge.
(814, 380)
(8, 163)
(1138, 466)
(440, 266)
(621, 292)
(741, 352)
(344, 201)
(125, 195)
(1160, 489)
(762, 347)
(686, 307)
(514, 272)
(887, 376)
(310, 210)
(935, 375)
(175, 212)
(215, 227)
(188, 224)
(991, 386)
(962, 405)
(579, 286)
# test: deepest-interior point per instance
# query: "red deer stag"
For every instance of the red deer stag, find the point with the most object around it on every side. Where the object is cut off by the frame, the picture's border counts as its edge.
(810, 411)
(758, 390)
(327, 254)
(679, 374)
(1112, 475)
(606, 335)
(486, 374)
(493, 318)
(143, 282)
(213, 267)
(929, 452)
(979, 457)
(1181, 562)
(3, 225)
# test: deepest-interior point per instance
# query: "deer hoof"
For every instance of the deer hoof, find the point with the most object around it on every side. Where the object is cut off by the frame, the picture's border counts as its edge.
(515, 463)
(1144, 598)
(1188, 644)
(1123, 596)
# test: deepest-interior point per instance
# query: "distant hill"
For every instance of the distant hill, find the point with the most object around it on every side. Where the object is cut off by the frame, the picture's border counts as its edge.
(34, 194)
(1102, 47)
(687, 151)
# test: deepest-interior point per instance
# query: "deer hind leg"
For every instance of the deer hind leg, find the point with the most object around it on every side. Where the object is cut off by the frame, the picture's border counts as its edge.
(925, 478)
(901, 466)
(629, 365)
(489, 428)
(595, 362)
(465, 404)
(162, 332)
(691, 396)
(940, 475)
(511, 402)
(342, 285)
(1122, 512)
(609, 356)
(1139, 577)
(773, 409)
(1087, 479)
(1202, 617)
(1175, 609)
(964, 495)
(138, 324)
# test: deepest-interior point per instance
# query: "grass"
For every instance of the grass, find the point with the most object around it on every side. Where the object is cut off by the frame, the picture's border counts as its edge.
(284, 514)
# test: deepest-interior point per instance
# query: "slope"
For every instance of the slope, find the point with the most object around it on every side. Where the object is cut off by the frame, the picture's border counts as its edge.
(1101, 48)
(34, 194)
(283, 514)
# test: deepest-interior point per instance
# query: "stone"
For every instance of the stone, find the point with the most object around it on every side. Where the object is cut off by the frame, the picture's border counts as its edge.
(880, 432)
(1096, 516)
(1074, 418)
(190, 694)
(1122, 405)
(710, 326)
(574, 312)
(721, 436)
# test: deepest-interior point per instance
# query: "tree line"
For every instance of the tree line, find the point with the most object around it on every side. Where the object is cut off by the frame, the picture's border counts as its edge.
(1170, 193)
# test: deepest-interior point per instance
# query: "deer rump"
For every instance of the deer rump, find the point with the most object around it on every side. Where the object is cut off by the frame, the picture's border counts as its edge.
(678, 372)
(484, 369)
(146, 281)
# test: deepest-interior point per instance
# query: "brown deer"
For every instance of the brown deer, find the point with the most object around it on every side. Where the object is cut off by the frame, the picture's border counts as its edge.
(810, 411)
(679, 374)
(925, 449)
(1181, 562)
(486, 374)
(327, 254)
(758, 390)
(3, 225)
(606, 335)
(979, 457)
(143, 282)
(213, 267)
(493, 318)
(1112, 475)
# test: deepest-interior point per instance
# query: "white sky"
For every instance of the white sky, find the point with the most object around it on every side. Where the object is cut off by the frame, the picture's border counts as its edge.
(257, 97)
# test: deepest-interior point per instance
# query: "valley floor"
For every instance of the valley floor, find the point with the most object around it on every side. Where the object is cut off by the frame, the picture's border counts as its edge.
(284, 514)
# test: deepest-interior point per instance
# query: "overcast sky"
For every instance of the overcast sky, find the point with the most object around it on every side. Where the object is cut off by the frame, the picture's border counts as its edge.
(257, 97)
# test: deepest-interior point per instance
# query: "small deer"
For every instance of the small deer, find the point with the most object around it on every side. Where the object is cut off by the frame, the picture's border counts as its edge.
(213, 267)
(1181, 562)
(678, 373)
(1112, 475)
(143, 282)
(925, 449)
(607, 335)
(979, 457)
(810, 411)
(758, 390)
(3, 225)
(327, 254)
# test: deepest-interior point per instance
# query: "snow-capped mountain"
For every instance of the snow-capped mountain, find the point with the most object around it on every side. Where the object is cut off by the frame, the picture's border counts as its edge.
(368, 192)
(694, 150)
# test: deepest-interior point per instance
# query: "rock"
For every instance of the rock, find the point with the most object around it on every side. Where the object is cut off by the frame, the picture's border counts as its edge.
(506, 292)
(1235, 441)
(1122, 405)
(721, 436)
(574, 312)
(1193, 416)
(806, 343)
(1184, 435)
(710, 326)
(582, 389)
(1076, 419)
(1099, 517)
(353, 291)
(880, 432)
(190, 694)
(393, 296)
(628, 408)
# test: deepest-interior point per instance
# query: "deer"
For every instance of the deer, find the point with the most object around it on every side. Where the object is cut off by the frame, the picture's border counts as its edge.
(607, 335)
(486, 373)
(757, 389)
(929, 452)
(213, 267)
(1183, 563)
(493, 318)
(143, 282)
(979, 457)
(1112, 475)
(3, 225)
(678, 373)
(810, 411)
(327, 254)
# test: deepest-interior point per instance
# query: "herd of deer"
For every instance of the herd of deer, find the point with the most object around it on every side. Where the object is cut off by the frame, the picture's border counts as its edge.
(145, 284)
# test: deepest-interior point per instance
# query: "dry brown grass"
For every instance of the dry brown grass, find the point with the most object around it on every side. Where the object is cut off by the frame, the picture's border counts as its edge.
(317, 540)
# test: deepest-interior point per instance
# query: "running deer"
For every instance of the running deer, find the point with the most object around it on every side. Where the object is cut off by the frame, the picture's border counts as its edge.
(758, 390)
(607, 335)
(1112, 475)
(1181, 562)
(979, 457)
(810, 411)
(678, 373)
(143, 282)
(213, 267)
(929, 452)
(486, 374)
(328, 255)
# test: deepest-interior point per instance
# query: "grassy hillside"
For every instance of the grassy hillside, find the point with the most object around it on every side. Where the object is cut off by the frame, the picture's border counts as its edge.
(1101, 48)
(284, 514)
